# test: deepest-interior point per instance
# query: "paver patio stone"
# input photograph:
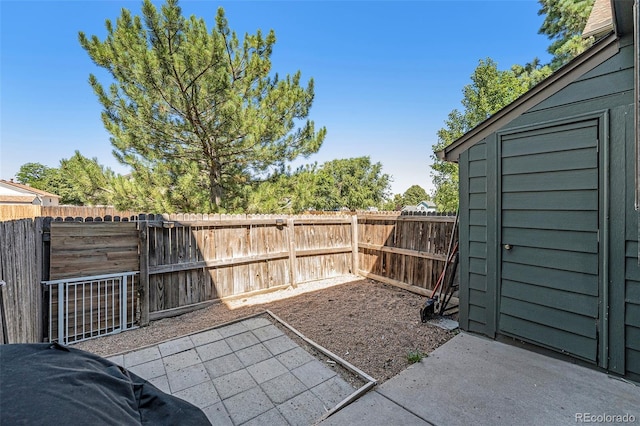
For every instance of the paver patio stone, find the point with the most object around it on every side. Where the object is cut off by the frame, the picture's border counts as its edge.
(242, 340)
(161, 383)
(333, 391)
(206, 337)
(313, 373)
(117, 359)
(233, 329)
(266, 370)
(201, 395)
(181, 360)
(141, 356)
(253, 354)
(213, 350)
(187, 377)
(283, 387)
(247, 405)
(149, 370)
(174, 346)
(295, 358)
(279, 345)
(233, 383)
(268, 332)
(218, 415)
(223, 365)
(304, 409)
(256, 322)
(270, 418)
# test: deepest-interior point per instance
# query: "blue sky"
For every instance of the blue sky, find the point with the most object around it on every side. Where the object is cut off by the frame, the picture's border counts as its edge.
(387, 73)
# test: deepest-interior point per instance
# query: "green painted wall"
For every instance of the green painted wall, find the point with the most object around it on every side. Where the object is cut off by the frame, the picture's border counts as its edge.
(606, 91)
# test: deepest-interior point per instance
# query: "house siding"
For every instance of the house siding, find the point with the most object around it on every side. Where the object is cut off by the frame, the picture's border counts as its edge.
(606, 91)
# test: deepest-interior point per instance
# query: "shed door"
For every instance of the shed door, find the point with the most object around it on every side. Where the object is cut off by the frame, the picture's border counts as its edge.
(549, 255)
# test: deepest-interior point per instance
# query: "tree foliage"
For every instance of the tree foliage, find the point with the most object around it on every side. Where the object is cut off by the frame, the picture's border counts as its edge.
(411, 197)
(36, 175)
(414, 195)
(197, 114)
(78, 180)
(563, 23)
(491, 89)
(353, 183)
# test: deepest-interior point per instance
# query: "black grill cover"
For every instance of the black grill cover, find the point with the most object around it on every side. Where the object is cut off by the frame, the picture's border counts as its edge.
(48, 384)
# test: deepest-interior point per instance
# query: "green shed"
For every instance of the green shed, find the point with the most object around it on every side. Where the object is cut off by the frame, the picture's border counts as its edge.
(548, 220)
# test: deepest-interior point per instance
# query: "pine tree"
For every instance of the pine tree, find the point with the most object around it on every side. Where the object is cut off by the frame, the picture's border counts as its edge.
(196, 113)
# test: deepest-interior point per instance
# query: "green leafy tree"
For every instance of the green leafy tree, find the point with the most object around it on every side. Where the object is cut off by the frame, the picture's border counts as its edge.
(84, 181)
(289, 193)
(197, 113)
(532, 73)
(78, 180)
(394, 204)
(414, 195)
(490, 90)
(563, 23)
(36, 175)
(354, 183)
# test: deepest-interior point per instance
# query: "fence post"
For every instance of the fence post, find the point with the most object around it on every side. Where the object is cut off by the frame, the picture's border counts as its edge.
(144, 271)
(354, 244)
(39, 243)
(292, 252)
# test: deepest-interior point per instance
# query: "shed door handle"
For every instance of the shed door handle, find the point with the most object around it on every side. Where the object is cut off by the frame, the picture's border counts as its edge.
(507, 246)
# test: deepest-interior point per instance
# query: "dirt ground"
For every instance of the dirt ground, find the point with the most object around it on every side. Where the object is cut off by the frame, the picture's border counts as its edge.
(373, 326)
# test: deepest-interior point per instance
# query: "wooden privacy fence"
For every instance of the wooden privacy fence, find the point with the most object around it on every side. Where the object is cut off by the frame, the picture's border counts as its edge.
(31, 211)
(165, 265)
(406, 251)
(20, 273)
(93, 283)
(193, 259)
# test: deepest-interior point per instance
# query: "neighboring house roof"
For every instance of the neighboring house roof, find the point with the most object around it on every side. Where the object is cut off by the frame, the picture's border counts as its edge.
(422, 206)
(600, 20)
(25, 189)
(17, 198)
(428, 204)
(602, 50)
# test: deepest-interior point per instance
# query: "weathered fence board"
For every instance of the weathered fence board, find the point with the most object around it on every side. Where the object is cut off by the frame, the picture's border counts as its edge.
(19, 211)
(193, 261)
(81, 249)
(20, 269)
(404, 250)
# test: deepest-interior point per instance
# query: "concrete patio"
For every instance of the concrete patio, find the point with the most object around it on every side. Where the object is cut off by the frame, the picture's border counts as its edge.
(474, 380)
(249, 372)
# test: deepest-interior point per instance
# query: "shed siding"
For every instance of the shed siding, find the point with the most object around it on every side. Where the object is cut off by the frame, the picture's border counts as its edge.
(625, 120)
(473, 223)
(632, 311)
(608, 87)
